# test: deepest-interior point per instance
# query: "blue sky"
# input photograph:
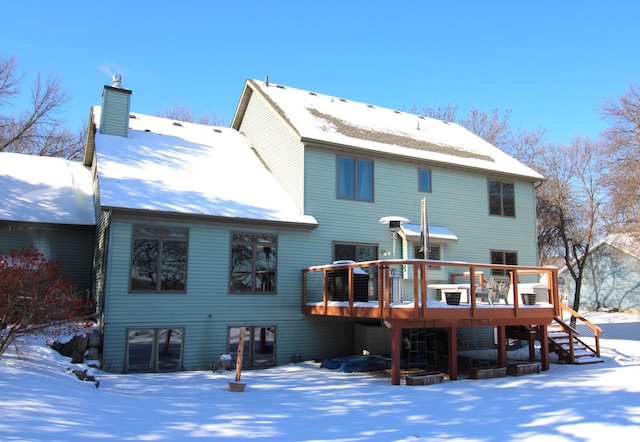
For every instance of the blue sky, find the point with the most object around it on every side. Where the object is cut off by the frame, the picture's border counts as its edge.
(551, 62)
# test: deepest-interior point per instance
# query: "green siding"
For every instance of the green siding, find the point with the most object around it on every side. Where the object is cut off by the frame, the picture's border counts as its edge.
(278, 146)
(114, 119)
(70, 245)
(207, 309)
(458, 201)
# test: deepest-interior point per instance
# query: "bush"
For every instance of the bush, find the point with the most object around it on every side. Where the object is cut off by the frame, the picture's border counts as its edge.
(33, 295)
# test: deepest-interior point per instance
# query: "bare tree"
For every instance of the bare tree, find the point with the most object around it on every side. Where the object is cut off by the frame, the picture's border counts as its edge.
(181, 112)
(623, 175)
(493, 127)
(570, 206)
(36, 130)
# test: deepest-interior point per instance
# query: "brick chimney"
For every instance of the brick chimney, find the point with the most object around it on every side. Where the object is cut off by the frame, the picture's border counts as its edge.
(116, 103)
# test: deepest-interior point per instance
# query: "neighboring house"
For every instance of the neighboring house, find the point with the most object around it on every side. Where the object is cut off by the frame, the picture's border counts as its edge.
(204, 230)
(612, 275)
(47, 203)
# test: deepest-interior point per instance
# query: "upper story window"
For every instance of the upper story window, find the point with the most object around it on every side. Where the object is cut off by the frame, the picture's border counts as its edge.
(159, 259)
(355, 179)
(253, 263)
(502, 198)
(424, 180)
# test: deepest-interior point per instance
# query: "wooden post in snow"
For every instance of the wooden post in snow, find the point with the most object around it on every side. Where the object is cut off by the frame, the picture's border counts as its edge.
(239, 355)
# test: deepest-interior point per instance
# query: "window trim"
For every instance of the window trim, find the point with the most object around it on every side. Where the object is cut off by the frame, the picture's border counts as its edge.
(354, 171)
(155, 354)
(503, 253)
(249, 357)
(161, 238)
(273, 244)
(501, 197)
(416, 252)
(420, 189)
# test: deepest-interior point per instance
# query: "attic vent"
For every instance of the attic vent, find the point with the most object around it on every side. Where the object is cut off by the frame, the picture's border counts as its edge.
(368, 105)
(396, 111)
(177, 123)
(280, 86)
(445, 122)
(313, 93)
(342, 99)
(421, 117)
(218, 131)
(132, 117)
(147, 130)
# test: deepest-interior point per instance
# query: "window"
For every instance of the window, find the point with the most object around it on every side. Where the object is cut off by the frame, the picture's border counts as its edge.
(159, 259)
(434, 254)
(502, 198)
(253, 263)
(258, 348)
(355, 179)
(502, 257)
(359, 253)
(154, 350)
(424, 180)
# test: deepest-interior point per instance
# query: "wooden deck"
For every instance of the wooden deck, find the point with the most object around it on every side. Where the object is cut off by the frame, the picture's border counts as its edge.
(419, 305)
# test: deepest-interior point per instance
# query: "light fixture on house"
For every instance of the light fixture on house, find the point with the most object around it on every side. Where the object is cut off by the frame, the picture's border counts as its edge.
(394, 223)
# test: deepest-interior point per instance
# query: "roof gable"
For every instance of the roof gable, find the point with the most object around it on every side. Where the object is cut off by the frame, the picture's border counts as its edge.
(327, 119)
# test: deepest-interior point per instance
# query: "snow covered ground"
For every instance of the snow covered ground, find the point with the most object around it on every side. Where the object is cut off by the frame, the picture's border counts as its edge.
(42, 401)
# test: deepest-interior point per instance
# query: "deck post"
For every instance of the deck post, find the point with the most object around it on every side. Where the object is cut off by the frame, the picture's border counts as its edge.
(453, 352)
(502, 345)
(544, 346)
(396, 347)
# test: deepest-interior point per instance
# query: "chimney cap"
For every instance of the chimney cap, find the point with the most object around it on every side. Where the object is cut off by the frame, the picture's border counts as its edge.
(117, 81)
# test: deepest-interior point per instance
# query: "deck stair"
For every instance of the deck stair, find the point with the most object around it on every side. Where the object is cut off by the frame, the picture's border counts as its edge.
(564, 341)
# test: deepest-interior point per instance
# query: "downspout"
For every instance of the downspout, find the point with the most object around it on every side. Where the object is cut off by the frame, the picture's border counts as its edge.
(107, 274)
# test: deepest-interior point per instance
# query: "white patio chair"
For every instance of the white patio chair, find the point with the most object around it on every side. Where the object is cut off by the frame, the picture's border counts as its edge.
(497, 288)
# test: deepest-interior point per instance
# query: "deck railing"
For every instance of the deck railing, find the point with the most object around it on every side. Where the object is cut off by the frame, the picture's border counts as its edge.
(394, 283)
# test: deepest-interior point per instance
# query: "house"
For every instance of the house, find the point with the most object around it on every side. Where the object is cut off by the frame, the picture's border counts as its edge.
(202, 231)
(47, 203)
(612, 275)
(353, 166)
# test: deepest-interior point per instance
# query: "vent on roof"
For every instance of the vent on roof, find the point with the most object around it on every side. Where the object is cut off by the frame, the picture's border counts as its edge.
(218, 131)
(313, 93)
(421, 117)
(132, 117)
(280, 86)
(342, 99)
(397, 111)
(445, 122)
(177, 123)
(369, 105)
(147, 130)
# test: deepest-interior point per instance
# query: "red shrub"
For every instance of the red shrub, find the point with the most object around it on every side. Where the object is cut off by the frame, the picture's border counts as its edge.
(33, 295)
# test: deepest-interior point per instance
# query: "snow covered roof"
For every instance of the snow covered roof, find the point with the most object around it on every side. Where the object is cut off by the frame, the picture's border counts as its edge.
(335, 120)
(187, 168)
(45, 190)
(627, 243)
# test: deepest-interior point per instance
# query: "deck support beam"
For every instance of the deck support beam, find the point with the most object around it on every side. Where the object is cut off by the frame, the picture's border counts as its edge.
(543, 336)
(502, 345)
(396, 347)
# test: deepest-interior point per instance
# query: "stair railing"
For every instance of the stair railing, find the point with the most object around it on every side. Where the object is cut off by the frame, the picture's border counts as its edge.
(578, 325)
